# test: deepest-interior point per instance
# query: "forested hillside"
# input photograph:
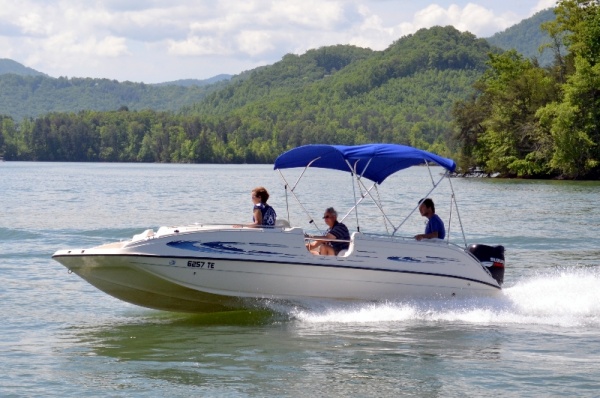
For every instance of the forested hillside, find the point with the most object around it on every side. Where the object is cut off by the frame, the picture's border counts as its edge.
(32, 93)
(527, 37)
(32, 96)
(338, 94)
(403, 94)
(282, 79)
(10, 66)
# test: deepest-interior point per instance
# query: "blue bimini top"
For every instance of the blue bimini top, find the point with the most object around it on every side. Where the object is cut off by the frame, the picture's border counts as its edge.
(373, 161)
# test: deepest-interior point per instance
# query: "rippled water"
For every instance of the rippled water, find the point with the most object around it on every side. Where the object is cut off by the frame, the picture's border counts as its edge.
(59, 336)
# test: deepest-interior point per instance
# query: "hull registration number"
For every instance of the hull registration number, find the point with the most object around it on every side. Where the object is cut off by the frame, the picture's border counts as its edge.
(201, 264)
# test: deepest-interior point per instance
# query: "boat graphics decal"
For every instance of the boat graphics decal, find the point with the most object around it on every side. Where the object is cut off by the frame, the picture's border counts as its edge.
(267, 244)
(428, 260)
(405, 259)
(227, 248)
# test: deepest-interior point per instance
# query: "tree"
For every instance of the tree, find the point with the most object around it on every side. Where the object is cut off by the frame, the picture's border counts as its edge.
(498, 128)
(574, 121)
(529, 121)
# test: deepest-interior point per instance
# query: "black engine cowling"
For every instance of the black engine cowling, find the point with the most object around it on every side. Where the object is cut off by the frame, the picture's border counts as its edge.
(492, 257)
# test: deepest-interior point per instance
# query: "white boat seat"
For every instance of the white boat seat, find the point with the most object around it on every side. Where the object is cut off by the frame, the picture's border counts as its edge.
(282, 223)
(144, 235)
(347, 252)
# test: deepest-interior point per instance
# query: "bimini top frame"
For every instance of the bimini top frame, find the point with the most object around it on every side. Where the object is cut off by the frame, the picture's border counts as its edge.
(374, 162)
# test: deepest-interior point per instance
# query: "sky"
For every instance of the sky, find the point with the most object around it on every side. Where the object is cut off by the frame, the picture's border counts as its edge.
(155, 41)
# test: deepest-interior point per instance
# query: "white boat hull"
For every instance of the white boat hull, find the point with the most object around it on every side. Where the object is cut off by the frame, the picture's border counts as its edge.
(219, 268)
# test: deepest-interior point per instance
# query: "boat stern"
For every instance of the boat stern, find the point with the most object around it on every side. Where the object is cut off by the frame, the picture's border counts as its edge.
(491, 257)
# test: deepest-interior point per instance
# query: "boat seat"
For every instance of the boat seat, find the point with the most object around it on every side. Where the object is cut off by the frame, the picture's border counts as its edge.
(282, 223)
(347, 252)
(144, 235)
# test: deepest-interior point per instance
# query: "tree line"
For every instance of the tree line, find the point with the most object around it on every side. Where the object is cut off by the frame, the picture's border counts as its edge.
(528, 121)
(126, 136)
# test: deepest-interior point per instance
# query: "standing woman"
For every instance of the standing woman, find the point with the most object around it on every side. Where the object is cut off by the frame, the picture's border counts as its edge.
(263, 214)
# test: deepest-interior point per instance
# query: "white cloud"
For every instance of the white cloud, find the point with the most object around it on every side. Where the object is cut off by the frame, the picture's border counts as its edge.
(197, 46)
(544, 4)
(371, 31)
(255, 42)
(33, 23)
(109, 46)
(309, 14)
(256, 28)
(472, 17)
(159, 40)
(69, 44)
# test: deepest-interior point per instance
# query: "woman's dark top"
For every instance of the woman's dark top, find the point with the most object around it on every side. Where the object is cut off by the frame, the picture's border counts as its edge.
(268, 214)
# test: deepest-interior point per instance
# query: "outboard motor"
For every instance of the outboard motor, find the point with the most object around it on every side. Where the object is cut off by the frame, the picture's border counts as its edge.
(492, 257)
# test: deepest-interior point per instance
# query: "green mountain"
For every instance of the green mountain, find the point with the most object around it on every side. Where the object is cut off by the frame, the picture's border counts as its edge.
(196, 82)
(10, 66)
(32, 96)
(282, 79)
(25, 92)
(348, 95)
(526, 37)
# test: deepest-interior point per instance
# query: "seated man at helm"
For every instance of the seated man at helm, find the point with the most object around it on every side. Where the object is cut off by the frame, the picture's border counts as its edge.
(337, 230)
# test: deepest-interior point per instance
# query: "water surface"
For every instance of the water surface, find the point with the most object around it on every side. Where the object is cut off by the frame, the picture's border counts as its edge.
(62, 337)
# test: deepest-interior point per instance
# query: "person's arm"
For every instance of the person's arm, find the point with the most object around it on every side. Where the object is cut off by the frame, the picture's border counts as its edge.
(257, 220)
(257, 216)
(330, 236)
(431, 235)
(316, 240)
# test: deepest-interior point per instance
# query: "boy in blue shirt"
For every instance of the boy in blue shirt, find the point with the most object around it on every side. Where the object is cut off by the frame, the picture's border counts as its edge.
(435, 226)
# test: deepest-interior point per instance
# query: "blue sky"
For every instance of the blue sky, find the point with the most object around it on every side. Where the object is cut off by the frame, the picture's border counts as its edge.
(155, 41)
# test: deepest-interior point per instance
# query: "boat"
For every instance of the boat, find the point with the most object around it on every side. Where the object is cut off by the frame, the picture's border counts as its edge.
(202, 268)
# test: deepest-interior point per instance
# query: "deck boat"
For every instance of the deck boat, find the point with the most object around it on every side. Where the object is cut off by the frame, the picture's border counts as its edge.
(210, 268)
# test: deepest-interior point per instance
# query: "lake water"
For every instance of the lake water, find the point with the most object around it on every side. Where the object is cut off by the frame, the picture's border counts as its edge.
(59, 336)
